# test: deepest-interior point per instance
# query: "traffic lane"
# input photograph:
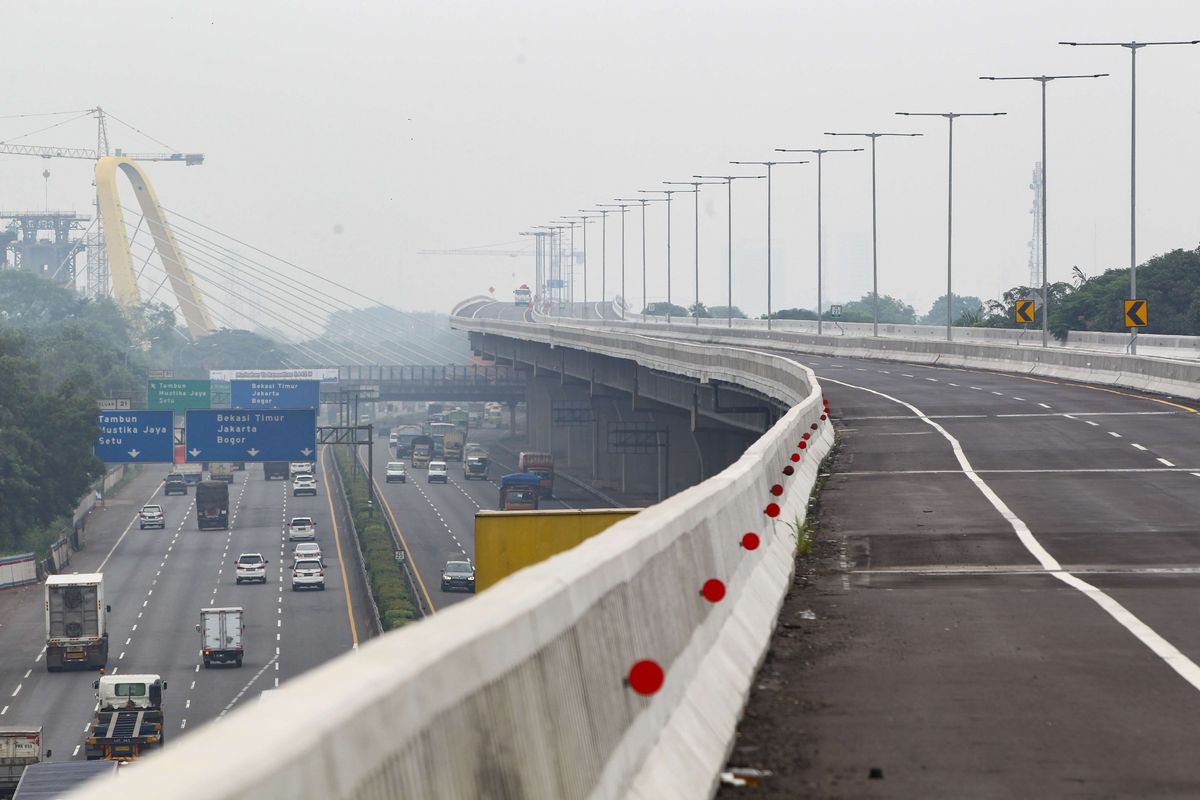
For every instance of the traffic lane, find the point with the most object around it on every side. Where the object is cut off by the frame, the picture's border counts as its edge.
(429, 537)
(1171, 439)
(1014, 686)
(64, 702)
(164, 641)
(316, 624)
(1088, 518)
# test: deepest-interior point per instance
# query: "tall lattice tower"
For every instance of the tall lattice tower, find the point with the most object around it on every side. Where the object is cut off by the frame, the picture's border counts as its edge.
(1035, 243)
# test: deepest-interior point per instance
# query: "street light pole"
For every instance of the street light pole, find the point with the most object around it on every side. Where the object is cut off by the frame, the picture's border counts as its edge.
(583, 220)
(950, 116)
(768, 165)
(1043, 80)
(820, 153)
(1133, 47)
(624, 207)
(874, 227)
(643, 201)
(729, 179)
(668, 193)
(696, 192)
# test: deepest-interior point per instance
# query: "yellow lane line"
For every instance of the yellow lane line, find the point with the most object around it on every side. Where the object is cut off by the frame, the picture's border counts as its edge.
(1141, 397)
(337, 543)
(403, 543)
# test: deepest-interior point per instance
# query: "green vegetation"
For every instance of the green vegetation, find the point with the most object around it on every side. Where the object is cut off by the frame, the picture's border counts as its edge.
(47, 426)
(59, 353)
(966, 308)
(664, 309)
(389, 585)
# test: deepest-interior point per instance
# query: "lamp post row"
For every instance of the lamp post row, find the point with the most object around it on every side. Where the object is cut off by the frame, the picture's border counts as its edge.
(546, 258)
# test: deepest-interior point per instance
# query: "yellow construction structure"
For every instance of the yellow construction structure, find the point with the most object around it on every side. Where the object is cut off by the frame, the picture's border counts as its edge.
(120, 261)
(506, 541)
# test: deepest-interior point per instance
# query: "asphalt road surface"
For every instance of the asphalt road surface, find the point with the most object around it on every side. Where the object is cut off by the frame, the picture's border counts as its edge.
(1005, 597)
(157, 582)
(437, 521)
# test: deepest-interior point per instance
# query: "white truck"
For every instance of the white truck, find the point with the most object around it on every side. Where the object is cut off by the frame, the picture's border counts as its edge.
(129, 717)
(54, 779)
(221, 635)
(20, 747)
(76, 622)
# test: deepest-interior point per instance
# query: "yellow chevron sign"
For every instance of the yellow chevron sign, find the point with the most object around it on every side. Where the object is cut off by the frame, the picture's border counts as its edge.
(1024, 311)
(1137, 314)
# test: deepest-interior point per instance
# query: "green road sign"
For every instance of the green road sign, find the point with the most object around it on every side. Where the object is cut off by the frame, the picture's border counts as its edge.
(178, 395)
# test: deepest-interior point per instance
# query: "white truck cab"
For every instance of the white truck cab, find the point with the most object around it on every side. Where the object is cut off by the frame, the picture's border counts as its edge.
(119, 692)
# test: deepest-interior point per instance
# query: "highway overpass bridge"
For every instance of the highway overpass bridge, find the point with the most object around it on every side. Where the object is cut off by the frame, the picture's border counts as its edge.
(1018, 551)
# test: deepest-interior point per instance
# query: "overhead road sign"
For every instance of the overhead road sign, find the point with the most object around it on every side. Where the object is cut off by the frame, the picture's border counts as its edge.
(556, 283)
(178, 395)
(322, 374)
(1137, 314)
(248, 435)
(140, 436)
(275, 394)
(1024, 312)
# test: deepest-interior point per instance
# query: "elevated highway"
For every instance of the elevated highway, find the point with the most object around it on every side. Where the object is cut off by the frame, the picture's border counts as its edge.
(1012, 541)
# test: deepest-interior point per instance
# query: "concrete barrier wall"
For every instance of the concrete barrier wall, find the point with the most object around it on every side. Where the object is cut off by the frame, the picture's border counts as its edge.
(523, 695)
(1169, 346)
(18, 570)
(1148, 373)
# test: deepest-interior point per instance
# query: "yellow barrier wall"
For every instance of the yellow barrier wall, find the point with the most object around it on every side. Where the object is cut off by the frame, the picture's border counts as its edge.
(506, 541)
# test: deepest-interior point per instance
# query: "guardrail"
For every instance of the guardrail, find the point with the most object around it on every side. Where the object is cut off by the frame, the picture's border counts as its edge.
(524, 694)
(1147, 373)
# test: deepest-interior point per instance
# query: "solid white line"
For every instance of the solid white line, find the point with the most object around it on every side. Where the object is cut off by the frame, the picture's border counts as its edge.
(1165, 463)
(1183, 666)
(127, 529)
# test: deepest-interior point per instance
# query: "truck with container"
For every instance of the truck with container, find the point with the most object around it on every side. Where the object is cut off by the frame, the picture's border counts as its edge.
(76, 622)
(542, 465)
(129, 717)
(461, 419)
(493, 414)
(212, 505)
(523, 296)
(453, 443)
(273, 470)
(519, 492)
(192, 473)
(405, 435)
(422, 452)
(221, 471)
(20, 747)
(475, 467)
(50, 780)
(221, 632)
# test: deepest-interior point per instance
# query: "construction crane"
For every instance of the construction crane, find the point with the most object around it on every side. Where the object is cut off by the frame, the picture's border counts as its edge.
(102, 148)
(112, 254)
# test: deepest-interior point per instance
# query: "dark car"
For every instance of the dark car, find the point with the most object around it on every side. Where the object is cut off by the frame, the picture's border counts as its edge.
(458, 576)
(174, 484)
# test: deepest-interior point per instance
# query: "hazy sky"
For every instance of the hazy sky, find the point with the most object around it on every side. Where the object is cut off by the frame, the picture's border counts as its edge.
(422, 125)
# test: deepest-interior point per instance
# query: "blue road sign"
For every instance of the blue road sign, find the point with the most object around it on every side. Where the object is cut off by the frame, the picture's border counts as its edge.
(275, 394)
(245, 435)
(556, 283)
(138, 436)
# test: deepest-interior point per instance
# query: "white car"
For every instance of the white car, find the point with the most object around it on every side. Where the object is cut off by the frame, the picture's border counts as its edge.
(302, 529)
(437, 472)
(301, 468)
(151, 516)
(307, 550)
(304, 484)
(308, 573)
(396, 473)
(251, 567)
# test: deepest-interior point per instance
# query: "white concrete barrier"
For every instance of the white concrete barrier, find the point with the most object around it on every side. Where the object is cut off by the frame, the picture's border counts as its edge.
(520, 693)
